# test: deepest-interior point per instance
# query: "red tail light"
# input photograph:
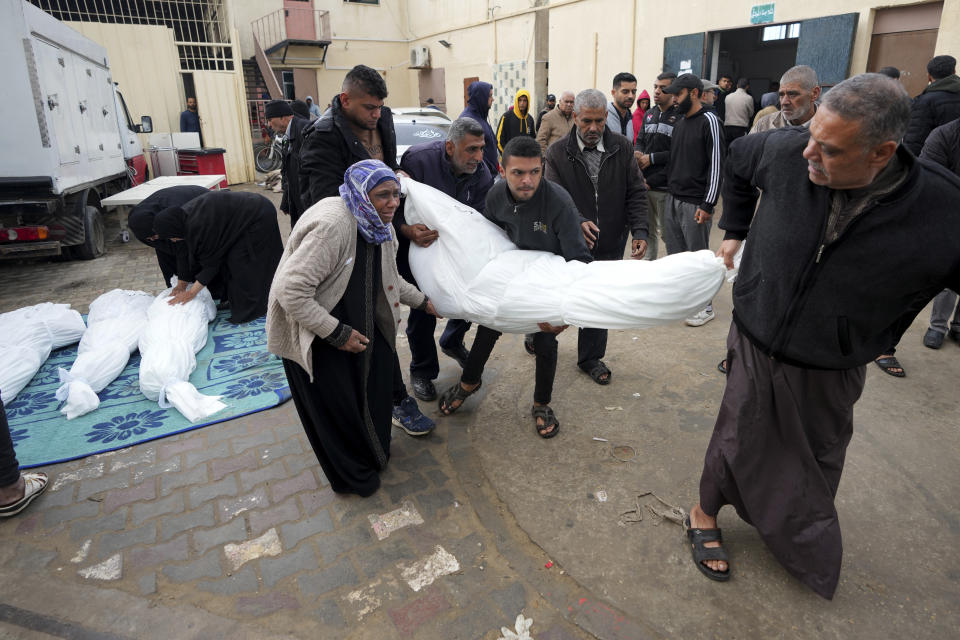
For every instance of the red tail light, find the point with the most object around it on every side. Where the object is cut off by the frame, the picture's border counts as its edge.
(23, 234)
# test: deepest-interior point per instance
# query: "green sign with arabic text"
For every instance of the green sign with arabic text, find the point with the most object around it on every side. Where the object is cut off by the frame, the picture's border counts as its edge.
(761, 13)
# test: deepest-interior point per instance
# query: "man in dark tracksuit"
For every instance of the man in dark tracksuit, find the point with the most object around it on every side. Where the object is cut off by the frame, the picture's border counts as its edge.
(454, 166)
(357, 127)
(597, 168)
(653, 155)
(814, 303)
(540, 216)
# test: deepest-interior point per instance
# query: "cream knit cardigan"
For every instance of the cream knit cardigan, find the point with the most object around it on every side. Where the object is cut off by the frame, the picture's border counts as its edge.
(312, 277)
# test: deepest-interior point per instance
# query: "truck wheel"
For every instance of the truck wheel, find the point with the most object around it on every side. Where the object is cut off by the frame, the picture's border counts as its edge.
(94, 238)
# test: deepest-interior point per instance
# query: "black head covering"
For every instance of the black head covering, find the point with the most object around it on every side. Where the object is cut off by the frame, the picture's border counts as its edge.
(301, 109)
(140, 223)
(277, 109)
(170, 223)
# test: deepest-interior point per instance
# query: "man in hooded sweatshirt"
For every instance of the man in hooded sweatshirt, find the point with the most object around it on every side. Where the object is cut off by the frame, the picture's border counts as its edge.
(516, 121)
(479, 99)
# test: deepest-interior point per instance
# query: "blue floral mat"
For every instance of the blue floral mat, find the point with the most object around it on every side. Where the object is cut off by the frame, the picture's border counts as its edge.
(234, 364)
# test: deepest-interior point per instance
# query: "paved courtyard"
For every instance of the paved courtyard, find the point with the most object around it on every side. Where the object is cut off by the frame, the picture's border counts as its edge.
(232, 530)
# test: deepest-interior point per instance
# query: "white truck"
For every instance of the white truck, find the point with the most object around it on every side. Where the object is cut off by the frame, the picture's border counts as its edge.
(68, 138)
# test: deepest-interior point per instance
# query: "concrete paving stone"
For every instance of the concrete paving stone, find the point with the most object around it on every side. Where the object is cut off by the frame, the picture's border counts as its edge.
(386, 591)
(432, 502)
(398, 492)
(283, 489)
(466, 549)
(84, 509)
(94, 486)
(299, 462)
(193, 458)
(420, 461)
(59, 498)
(467, 586)
(222, 466)
(89, 527)
(273, 570)
(476, 622)
(343, 540)
(511, 599)
(288, 447)
(160, 468)
(329, 578)
(262, 437)
(262, 605)
(175, 525)
(242, 581)
(383, 555)
(229, 508)
(168, 506)
(69, 477)
(197, 475)
(556, 632)
(147, 583)
(227, 431)
(29, 524)
(347, 507)
(203, 493)
(274, 471)
(160, 554)
(293, 533)
(188, 443)
(266, 545)
(313, 501)
(30, 559)
(263, 520)
(328, 613)
(110, 543)
(233, 531)
(119, 497)
(408, 617)
(437, 477)
(133, 459)
(206, 567)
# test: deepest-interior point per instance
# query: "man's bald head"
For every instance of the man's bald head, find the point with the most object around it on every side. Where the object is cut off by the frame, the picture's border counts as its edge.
(566, 102)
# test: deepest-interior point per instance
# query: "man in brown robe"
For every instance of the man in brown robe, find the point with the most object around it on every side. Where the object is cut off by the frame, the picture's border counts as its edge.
(816, 299)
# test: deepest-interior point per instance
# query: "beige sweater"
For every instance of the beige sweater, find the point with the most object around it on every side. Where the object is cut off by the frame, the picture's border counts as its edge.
(312, 277)
(553, 127)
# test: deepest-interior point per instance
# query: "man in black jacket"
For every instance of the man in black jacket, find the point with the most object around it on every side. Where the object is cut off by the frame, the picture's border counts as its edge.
(282, 119)
(357, 127)
(539, 216)
(596, 167)
(937, 105)
(814, 302)
(454, 166)
(652, 151)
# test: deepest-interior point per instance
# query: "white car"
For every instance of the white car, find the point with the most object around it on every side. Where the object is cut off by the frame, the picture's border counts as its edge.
(415, 125)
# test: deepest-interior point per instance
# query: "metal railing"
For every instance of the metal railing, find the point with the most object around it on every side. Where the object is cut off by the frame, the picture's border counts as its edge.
(312, 25)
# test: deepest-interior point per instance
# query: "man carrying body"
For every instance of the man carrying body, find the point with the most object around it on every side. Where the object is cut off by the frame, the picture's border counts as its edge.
(693, 178)
(806, 318)
(358, 127)
(652, 151)
(738, 112)
(596, 167)
(540, 216)
(281, 118)
(624, 93)
(557, 123)
(456, 167)
(799, 92)
(190, 119)
(516, 121)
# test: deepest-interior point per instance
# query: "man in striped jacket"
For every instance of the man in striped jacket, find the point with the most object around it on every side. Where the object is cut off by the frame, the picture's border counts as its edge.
(693, 176)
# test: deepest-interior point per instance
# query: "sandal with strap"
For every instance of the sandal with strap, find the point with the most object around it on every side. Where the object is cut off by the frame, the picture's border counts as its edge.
(701, 553)
(722, 366)
(597, 370)
(549, 418)
(33, 485)
(453, 394)
(889, 364)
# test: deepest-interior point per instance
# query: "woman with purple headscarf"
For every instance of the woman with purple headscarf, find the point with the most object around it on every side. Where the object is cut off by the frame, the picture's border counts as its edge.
(333, 315)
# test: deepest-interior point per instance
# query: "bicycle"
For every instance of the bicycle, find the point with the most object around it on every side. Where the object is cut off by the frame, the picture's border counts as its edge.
(269, 156)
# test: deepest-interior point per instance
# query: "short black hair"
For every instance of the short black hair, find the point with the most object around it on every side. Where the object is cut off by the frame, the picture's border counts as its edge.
(622, 77)
(890, 72)
(743, 83)
(727, 76)
(522, 147)
(667, 75)
(366, 80)
(941, 67)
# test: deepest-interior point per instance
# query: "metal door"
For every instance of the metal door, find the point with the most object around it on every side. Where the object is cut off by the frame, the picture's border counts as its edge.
(58, 96)
(684, 54)
(826, 44)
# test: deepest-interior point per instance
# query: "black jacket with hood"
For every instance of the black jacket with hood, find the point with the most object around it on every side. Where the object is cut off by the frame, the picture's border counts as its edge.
(512, 124)
(290, 170)
(330, 146)
(943, 146)
(938, 104)
(478, 98)
(833, 305)
(619, 203)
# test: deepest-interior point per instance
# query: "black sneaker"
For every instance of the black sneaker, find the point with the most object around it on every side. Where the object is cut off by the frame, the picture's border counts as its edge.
(954, 334)
(933, 339)
(423, 389)
(458, 353)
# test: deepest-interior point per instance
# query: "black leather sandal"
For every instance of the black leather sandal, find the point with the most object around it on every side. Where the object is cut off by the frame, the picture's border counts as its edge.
(453, 394)
(549, 420)
(701, 553)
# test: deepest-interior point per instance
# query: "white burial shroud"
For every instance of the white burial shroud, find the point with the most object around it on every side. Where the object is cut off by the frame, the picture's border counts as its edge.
(168, 347)
(114, 324)
(474, 272)
(27, 336)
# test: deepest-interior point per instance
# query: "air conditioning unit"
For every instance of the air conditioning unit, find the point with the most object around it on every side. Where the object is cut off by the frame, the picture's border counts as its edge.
(419, 58)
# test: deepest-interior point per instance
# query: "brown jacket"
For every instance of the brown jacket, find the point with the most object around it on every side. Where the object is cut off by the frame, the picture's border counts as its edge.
(313, 275)
(554, 127)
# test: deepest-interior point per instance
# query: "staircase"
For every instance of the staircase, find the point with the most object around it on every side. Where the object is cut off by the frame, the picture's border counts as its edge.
(253, 81)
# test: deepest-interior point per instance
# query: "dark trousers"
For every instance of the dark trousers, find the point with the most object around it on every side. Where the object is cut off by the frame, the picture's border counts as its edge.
(732, 133)
(399, 389)
(423, 349)
(544, 347)
(9, 467)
